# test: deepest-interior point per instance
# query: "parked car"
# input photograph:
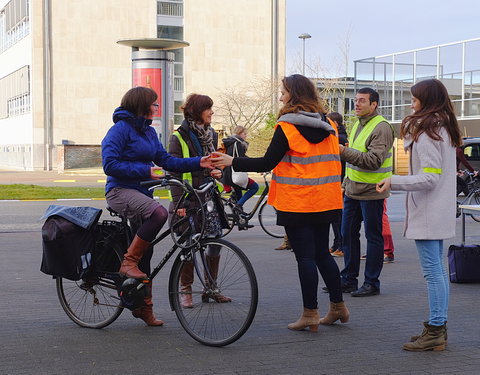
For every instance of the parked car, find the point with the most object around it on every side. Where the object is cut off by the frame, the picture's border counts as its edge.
(471, 150)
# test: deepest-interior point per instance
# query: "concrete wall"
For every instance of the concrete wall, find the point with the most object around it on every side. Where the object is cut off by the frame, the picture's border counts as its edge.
(230, 44)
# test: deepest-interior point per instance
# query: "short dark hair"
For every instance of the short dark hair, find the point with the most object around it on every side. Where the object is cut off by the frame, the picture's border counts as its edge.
(373, 95)
(195, 105)
(337, 117)
(139, 100)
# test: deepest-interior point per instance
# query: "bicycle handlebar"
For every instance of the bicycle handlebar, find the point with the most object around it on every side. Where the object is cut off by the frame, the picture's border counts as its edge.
(167, 180)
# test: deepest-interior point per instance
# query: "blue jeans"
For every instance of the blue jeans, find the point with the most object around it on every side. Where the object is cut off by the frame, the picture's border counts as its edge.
(354, 212)
(252, 189)
(431, 260)
(310, 245)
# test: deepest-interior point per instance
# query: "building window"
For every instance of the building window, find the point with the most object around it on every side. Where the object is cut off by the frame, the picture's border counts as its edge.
(165, 8)
(15, 93)
(170, 32)
(14, 23)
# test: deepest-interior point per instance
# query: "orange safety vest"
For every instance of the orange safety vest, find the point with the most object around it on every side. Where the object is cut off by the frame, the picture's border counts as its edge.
(308, 178)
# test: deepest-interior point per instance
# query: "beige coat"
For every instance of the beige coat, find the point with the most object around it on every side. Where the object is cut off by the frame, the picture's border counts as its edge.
(431, 189)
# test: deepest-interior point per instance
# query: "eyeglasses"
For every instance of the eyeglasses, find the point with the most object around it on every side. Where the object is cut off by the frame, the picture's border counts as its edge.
(361, 100)
(156, 105)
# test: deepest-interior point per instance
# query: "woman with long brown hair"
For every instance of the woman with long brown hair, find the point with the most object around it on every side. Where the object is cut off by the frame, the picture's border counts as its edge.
(305, 191)
(431, 135)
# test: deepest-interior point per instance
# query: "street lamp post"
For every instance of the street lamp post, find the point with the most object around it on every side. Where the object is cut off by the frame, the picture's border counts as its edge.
(304, 36)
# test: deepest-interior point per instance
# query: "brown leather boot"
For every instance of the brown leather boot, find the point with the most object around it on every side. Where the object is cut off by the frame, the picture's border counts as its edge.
(414, 338)
(146, 312)
(337, 311)
(129, 266)
(285, 245)
(213, 263)
(186, 280)
(432, 338)
(309, 318)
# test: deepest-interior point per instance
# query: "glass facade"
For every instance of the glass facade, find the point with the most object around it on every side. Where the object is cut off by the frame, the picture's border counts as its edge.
(457, 65)
(14, 23)
(170, 26)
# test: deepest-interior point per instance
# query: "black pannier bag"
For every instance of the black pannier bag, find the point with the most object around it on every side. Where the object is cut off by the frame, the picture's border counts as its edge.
(68, 237)
(464, 263)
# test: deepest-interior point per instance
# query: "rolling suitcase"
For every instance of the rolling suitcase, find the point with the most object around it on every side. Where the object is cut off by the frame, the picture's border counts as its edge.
(464, 263)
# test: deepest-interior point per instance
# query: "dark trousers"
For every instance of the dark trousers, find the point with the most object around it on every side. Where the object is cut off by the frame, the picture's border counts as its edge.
(310, 245)
(354, 212)
(337, 233)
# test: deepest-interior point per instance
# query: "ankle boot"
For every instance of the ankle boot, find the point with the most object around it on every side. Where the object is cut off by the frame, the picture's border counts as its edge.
(129, 266)
(212, 264)
(309, 318)
(414, 338)
(432, 338)
(337, 311)
(186, 280)
(285, 245)
(146, 312)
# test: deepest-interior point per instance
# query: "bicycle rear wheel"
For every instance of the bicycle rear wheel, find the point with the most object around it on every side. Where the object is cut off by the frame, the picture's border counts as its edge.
(475, 199)
(230, 218)
(231, 275)
(268, 221)
(92, 302)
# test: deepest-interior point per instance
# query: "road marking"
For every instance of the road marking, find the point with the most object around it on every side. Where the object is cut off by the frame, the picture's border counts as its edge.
(101, 180)
(64, 180)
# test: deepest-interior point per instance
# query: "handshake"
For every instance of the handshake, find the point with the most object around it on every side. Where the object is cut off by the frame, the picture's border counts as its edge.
(216, 160)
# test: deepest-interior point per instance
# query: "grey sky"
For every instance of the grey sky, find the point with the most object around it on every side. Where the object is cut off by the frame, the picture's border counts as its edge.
(375, 28)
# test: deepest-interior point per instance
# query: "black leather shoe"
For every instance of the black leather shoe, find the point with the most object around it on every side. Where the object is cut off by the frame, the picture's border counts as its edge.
(365, 291)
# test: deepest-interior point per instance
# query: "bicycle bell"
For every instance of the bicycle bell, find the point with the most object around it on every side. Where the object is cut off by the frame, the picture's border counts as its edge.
(132, 293)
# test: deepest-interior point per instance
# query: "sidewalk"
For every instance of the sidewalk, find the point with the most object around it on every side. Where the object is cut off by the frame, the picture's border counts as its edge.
(75, 177)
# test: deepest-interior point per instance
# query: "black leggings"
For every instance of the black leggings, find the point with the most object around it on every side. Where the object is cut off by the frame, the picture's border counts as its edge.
(148, 231)
(310, 245)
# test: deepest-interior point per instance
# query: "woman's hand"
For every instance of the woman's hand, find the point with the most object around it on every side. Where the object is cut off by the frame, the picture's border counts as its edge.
(342, 148)
(182, 212)
(216, 173)
(156, 173)
(206, 162)
(383, 185)
(220, 159)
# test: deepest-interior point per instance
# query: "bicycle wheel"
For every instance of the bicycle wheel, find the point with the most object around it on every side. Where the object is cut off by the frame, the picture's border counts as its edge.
(475, 199)
(210, 321)
(92, 302)
(268, 221)
(230, 218)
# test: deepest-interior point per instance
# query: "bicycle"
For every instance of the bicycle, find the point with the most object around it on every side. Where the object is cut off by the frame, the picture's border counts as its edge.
(99, 298)
(267, 215)
(473, 196)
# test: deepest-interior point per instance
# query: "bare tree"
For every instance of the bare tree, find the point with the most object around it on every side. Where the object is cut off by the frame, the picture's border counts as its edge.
(248, 106)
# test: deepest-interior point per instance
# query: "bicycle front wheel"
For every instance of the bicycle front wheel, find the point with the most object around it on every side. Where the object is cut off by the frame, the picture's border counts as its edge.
(475, 199)
(268, 221)
(92, 302)
(214, 292)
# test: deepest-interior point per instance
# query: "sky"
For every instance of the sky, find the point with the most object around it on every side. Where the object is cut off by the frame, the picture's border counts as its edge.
(372, 28)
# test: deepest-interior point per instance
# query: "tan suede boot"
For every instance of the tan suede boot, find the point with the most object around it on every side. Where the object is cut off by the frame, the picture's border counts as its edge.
(309, 318)
(432, 338)
(186, 280)
(414, 338)
(146, 312)
(129, 266)
(213, 263)
(285, 245)
(337, 311)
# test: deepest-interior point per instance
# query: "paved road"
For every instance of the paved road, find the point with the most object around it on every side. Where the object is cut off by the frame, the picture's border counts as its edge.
(36, 337)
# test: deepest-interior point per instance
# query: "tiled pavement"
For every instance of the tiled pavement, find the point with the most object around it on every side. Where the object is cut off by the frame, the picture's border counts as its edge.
(36, 337)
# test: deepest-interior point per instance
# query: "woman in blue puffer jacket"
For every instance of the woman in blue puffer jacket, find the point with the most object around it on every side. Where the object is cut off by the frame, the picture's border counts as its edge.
(131, 153)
